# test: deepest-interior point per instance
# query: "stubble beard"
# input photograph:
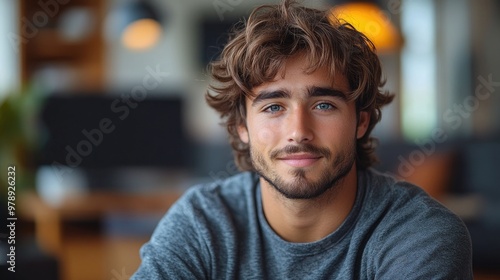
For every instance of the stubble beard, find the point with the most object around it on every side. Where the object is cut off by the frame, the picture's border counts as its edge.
(301, 187)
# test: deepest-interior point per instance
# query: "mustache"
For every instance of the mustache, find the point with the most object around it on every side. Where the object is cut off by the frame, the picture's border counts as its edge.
(302, 148)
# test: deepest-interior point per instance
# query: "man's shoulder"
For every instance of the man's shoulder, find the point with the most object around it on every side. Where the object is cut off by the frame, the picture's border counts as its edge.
(407, 210)
(399, 210)
(411, 227)
(237, 186)
(232, 195)
(403, 198)
(212, 205)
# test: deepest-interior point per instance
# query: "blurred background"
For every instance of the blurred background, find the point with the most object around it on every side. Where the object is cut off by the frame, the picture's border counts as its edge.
(102, 113)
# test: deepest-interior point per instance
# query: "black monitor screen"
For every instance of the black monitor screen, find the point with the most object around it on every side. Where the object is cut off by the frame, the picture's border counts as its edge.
(94, 131)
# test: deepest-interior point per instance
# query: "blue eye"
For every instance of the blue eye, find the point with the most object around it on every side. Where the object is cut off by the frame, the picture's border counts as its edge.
(273, 108)
(324, 106)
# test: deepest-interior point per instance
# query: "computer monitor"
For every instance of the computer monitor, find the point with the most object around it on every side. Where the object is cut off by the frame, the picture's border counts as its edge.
(106, 131)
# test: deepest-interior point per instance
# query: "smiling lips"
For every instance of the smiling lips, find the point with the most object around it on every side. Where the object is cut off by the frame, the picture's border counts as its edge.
(300, 160)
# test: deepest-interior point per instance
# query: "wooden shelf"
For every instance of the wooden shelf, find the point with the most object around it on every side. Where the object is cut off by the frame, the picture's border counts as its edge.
(47, 46)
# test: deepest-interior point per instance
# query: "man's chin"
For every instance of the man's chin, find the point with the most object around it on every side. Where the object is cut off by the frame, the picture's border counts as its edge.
(296, 193)
(299, 188)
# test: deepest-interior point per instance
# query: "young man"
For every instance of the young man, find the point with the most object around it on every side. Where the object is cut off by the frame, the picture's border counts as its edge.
(300, 93)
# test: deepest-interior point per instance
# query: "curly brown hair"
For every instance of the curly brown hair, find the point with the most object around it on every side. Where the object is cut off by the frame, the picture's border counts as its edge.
(258, 49)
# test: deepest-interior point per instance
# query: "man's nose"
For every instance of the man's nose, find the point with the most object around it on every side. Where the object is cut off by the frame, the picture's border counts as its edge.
(299, 126)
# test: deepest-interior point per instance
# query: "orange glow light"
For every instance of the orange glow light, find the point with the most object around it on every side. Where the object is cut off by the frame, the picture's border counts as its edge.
(142, 34)
(371, 21)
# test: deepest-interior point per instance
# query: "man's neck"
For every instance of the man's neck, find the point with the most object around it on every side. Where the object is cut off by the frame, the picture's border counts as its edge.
(308, 220)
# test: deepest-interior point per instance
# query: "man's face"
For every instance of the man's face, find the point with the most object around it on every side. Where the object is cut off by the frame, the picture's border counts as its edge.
(302, 131)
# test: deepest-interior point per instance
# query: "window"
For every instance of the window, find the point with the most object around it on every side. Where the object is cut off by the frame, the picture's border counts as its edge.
(418, 69)
(9, 49)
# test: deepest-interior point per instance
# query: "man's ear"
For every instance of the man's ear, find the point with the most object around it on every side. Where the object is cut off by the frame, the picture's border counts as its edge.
(243, 133)
(363, 122)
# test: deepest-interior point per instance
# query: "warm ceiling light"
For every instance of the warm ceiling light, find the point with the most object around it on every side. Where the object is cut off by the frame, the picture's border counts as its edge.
(141, 34)
(367, 18)
(136, 23)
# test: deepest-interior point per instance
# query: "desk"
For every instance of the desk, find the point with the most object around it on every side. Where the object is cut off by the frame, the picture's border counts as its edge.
(71, 250)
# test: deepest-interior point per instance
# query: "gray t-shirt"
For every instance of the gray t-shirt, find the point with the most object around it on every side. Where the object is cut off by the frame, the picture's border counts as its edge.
(394, 231)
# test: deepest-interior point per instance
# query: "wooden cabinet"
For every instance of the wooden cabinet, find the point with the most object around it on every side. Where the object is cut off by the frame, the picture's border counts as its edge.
(62, 43)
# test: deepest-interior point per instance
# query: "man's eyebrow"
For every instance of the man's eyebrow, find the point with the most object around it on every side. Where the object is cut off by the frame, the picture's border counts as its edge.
(264, 95)
(323, 91)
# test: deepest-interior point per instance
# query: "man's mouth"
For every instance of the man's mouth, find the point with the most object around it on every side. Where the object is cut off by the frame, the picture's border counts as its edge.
(300, 160)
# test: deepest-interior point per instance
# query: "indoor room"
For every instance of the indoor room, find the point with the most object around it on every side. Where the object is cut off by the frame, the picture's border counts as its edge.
(104, 122)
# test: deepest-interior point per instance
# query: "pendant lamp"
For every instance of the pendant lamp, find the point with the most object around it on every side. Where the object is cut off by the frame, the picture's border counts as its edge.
(136, 23)
(368, 18)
